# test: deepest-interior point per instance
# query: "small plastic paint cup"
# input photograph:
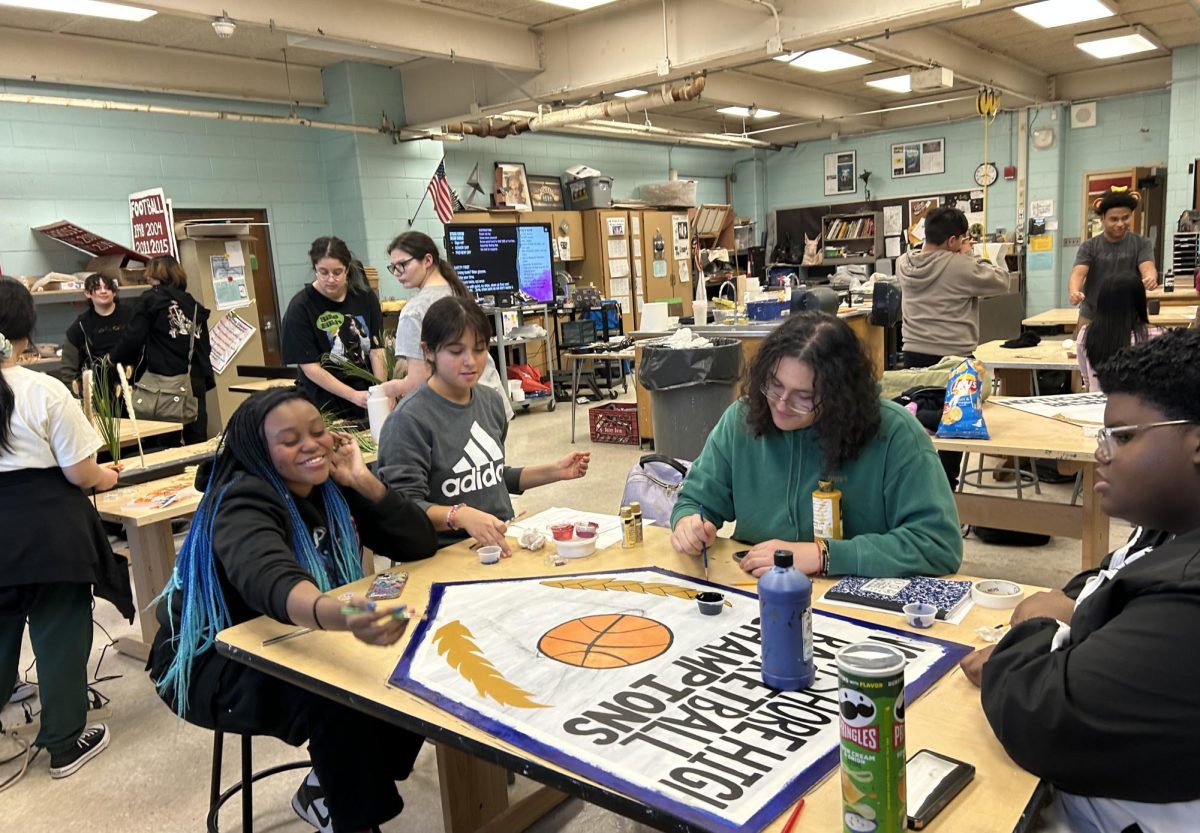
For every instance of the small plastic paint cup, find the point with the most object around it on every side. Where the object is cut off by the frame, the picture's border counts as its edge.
(489, 555)
(919, 614)
(586, 529)
(562, 532)
(710, 602)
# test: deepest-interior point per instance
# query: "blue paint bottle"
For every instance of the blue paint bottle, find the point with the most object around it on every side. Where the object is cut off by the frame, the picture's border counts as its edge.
(785, 609)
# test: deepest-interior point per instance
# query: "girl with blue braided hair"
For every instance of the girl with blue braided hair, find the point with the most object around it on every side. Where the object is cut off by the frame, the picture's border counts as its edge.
(285, 503)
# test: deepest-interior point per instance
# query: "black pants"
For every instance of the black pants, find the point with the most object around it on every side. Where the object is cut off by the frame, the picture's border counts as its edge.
(197, 431)
(951, 460)
(60, 631)
(357, 758)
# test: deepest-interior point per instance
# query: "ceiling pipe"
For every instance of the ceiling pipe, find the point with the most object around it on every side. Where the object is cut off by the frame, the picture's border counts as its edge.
(384, 129)
(606, 110)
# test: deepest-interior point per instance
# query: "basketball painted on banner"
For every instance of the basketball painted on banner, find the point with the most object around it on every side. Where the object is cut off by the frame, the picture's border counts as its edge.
(614, 640)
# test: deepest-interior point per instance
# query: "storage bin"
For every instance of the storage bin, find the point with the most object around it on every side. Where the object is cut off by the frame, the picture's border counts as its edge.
(615, 422)
(591, 192)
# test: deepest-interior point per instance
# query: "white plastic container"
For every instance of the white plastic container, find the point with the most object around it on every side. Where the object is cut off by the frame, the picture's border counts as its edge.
(379, 405)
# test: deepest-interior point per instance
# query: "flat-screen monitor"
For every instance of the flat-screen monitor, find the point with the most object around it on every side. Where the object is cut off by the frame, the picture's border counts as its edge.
(501, 259)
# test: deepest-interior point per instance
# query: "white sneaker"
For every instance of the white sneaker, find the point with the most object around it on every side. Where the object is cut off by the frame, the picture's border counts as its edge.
(309, 804)
(23, 691)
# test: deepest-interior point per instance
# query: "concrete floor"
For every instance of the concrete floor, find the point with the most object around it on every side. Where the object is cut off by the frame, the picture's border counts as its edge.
(154, 775)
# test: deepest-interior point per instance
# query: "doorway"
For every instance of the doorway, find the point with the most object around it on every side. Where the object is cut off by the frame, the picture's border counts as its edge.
(261, 269)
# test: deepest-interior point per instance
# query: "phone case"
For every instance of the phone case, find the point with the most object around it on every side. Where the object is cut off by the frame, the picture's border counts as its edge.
(387, 586)
(950, 785)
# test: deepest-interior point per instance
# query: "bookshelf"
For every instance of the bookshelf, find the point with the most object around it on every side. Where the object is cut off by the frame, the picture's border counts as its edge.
(852, 238)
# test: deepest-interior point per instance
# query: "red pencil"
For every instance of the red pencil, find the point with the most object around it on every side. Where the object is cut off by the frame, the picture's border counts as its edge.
(791, 822)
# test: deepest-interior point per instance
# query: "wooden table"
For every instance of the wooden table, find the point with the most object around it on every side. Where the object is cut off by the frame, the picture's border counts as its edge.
(1019, 434)
(1182, 295)
(472, 763)
(260, 384)
(1048, 355)
(1066, 318)
(577, 360)
(146, 428)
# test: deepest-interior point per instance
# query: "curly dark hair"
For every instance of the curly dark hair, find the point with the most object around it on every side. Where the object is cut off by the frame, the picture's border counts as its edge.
(848, 411)
(1116, 199)
(1163, 372)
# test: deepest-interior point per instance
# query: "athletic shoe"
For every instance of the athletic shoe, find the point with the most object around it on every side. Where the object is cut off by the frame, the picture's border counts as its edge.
(90, 743)
(23, 691)
(309, 804)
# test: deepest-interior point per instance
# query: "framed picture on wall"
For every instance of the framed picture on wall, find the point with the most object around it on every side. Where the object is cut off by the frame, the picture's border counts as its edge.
(919, 158)
(512, 186)
(841, 173)
(546, 193)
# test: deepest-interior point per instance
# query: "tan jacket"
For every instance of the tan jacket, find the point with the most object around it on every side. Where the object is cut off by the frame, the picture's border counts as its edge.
(941, 299)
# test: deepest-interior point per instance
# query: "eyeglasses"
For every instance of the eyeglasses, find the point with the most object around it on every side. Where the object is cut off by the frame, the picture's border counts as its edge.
(796, 404)
(330, 273)
(1107, 439)
(399, 266)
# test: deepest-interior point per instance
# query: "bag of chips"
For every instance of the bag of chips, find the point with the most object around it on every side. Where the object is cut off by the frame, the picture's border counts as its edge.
(962, 415)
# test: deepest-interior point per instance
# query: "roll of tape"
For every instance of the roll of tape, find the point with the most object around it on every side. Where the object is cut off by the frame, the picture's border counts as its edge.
(996, 593)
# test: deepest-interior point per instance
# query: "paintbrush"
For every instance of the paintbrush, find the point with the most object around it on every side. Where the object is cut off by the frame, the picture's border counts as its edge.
(515, 518)
(286, 636)
(703, 545)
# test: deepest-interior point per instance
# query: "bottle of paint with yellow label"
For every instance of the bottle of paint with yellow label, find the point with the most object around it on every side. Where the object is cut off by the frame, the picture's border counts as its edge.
(827, 511)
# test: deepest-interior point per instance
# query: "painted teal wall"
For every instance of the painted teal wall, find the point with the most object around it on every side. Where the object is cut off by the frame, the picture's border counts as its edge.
(1185, 131)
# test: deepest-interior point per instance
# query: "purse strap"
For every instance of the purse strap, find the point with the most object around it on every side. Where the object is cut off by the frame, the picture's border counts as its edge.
(192, 336)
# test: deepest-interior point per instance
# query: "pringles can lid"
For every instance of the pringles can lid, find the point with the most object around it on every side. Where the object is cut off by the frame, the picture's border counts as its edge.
(870, 659)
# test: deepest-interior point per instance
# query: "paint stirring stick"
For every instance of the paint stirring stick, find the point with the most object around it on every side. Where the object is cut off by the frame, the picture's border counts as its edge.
(791, 822)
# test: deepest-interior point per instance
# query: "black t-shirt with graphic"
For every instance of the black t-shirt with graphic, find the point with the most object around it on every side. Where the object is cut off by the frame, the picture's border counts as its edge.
(314, 325)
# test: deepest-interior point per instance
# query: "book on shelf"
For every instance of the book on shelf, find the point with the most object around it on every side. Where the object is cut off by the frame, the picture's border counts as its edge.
(947, 595)
(850, 229)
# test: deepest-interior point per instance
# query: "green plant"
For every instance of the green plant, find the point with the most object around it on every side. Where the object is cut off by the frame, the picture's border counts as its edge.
(106, 408)
(349, 368)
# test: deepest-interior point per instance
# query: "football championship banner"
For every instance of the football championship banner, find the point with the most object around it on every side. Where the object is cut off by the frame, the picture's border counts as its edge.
(618, 677)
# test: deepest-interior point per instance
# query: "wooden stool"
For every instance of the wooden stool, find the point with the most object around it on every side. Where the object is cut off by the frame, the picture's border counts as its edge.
(216, 798)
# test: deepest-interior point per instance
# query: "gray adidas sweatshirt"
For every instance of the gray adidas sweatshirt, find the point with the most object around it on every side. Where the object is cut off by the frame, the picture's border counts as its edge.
(439, 453)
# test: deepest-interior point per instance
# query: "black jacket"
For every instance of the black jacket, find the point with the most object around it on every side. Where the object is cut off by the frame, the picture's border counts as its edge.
(1114, 713)
(156, 338)
(90, 337)
(257, 568)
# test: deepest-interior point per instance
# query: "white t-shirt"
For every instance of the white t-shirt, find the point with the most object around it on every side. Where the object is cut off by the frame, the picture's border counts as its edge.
(48, 428)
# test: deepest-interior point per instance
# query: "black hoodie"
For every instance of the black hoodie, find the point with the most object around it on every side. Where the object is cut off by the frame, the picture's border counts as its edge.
(156, 338)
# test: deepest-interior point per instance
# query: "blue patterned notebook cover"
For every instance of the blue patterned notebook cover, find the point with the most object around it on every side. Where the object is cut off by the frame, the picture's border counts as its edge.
(947, 595)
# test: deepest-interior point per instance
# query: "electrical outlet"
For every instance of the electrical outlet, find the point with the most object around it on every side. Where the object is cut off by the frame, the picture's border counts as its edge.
(664, 67)
(775, 44)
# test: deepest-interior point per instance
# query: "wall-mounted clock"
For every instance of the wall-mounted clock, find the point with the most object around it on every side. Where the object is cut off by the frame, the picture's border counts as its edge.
(986, 174)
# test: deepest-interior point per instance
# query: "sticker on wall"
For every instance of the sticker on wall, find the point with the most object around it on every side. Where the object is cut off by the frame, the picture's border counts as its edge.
(1041, 243)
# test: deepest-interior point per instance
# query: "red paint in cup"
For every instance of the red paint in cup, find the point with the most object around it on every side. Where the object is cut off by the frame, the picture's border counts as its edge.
(562, 532)
(586, 529)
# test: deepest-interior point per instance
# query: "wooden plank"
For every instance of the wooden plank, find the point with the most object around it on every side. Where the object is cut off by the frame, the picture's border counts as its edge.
(474, 791)
(1095, 522)
(1036, 516)
(525, 812)
(151, 568)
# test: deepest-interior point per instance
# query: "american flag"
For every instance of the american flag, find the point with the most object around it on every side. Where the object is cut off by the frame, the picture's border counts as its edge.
(444, 198)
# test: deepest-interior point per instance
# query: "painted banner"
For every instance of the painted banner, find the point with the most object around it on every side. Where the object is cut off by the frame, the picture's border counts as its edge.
(618, 677)
(77, 237)
(150, 223)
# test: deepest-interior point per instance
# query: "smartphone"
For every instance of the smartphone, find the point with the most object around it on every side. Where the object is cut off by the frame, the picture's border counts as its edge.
(387, 585)
(933, 780)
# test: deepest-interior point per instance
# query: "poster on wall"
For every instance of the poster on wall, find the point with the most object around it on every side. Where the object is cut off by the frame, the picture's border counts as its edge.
(917, 209)
(925, 156)
(150, 223)
(841, 173)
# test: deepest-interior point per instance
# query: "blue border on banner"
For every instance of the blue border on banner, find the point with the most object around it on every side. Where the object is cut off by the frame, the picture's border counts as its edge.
(784, 798)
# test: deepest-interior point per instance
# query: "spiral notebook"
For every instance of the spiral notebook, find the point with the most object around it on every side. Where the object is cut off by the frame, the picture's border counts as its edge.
(947, 595)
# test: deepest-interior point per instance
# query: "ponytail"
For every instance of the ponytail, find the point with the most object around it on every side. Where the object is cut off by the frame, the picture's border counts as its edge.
(17, 317)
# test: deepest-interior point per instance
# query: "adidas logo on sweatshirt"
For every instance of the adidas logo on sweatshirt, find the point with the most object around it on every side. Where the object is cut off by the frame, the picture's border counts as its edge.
(481, 466)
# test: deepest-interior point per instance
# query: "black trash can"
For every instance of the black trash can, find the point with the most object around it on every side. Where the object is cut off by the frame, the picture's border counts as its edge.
(689, 390)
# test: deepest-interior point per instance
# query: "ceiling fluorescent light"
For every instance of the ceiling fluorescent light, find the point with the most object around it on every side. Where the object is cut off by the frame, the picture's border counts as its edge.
(825, 60)
(1051, 13)
(1114, 43)
(579, 5)
(894, 81)
(629, 93)
(346, 48)
(748, 112)
(91, 8)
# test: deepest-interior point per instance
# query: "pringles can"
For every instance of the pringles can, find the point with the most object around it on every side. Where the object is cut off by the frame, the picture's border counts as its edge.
(871, 704)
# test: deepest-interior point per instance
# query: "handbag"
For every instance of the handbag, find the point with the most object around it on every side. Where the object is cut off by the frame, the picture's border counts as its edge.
(168, 398)
(654, 482)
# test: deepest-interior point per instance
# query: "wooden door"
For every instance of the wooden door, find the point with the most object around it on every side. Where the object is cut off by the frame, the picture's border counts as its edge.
(261, 269)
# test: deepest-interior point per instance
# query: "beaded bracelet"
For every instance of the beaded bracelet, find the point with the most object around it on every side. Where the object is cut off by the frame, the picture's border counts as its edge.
(452, 515)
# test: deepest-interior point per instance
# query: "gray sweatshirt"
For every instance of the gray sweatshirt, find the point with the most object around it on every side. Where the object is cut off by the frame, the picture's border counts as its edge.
(941, 299)
(439, 453)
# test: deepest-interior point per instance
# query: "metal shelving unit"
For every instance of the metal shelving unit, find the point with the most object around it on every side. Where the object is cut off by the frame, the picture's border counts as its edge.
(502, 344)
